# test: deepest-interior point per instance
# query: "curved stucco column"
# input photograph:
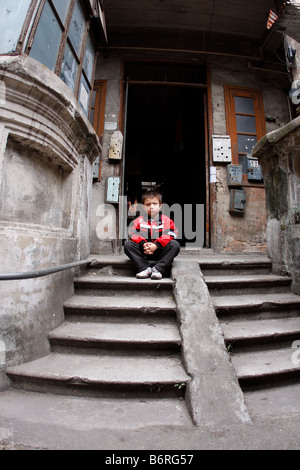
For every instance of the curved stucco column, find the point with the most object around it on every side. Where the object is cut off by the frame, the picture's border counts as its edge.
(279, 154)
(47, 147)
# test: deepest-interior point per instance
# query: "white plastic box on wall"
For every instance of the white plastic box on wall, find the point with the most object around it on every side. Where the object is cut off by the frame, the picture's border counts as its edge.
(221, 148)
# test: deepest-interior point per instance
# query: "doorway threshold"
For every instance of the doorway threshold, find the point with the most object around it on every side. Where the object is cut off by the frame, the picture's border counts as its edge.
(196, 251)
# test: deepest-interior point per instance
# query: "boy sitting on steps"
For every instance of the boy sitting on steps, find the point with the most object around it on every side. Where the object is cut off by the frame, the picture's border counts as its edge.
(152, 238)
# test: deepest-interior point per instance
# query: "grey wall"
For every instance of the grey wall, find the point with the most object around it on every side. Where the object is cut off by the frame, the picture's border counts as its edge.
(47, 148)
(228, 233)
(247, 233)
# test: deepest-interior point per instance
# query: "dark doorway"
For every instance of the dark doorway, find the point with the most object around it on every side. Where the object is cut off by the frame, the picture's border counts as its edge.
(165, 148)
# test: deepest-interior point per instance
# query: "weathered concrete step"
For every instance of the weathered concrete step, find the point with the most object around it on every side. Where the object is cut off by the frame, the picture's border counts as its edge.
(261, 331)
(235, 265)
(111, 265)
(103, 375)
(92, 284)
(255, 303)
(112, 336)
(264, 366)
(219, 285)
(86, 414)
(210, 264)
(120, 305)
(279, 400)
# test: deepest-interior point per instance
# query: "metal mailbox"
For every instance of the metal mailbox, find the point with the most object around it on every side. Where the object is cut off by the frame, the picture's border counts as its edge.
(234, 175)
(221, 148)
(254, 170)
(116, 146)
(96, 168)
(113, 187)
(237, 201)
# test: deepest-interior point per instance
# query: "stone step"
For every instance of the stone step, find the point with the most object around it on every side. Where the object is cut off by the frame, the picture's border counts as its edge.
(260, 332)
(211, 264)
(89, 415)
(113, 265)
(280, 400)
(94, 337)
(123, 306)
(220, 265)
(247, 284)
(265, 366)
(256, 303)
(105, 376)
(93, 284)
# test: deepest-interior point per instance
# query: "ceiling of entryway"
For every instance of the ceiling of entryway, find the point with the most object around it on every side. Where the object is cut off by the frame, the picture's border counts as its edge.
(239, 17)
(233, 26)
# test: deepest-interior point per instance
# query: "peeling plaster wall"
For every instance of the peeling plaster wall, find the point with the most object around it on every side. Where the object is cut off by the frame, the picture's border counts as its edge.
(103, 217)
(279, 155)
(296, 66)
(47, 148)
(248, 233)
(228, 233)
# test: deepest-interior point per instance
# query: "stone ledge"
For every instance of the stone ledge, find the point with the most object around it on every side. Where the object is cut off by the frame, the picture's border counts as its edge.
(38, 108)
(275, 136)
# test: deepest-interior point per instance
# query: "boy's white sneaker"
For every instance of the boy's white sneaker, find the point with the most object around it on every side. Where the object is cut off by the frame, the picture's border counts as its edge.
(156, 274)
(144, 274)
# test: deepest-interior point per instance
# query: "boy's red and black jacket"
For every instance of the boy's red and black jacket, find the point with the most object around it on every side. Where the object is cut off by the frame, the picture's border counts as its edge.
(159, 231)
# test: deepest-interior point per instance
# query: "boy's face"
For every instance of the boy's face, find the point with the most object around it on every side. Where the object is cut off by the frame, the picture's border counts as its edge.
(152, 206)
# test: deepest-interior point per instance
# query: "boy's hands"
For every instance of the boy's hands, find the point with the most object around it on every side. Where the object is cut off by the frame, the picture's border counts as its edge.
(149, 248)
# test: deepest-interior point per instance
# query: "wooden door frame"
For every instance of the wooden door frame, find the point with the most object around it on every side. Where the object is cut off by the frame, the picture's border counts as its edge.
(208, 130)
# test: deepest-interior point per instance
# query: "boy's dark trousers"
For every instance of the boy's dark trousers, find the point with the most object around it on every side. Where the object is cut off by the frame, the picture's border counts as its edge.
(161, 258)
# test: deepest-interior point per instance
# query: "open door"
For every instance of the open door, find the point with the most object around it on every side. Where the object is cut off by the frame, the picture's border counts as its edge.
(166, 143)
(166, 150)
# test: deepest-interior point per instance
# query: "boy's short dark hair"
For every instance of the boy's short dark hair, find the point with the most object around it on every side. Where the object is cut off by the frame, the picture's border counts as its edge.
(150, 194)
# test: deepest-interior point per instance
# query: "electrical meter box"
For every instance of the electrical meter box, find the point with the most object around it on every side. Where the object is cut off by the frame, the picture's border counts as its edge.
(221, 148)
(254, 170)
(113, 187)
(116, 146)
(234, 175)
(96, 168)
(237, 201)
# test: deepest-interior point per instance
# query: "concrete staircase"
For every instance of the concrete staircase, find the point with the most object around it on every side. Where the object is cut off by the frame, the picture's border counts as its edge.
(120, 340)
(260, 320)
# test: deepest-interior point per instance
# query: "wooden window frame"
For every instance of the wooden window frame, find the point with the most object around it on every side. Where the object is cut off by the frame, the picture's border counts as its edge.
(100, 88)
(230, 93)
(65, 40)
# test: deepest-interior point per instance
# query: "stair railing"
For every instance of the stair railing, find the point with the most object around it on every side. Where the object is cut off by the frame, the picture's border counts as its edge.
(43, 272)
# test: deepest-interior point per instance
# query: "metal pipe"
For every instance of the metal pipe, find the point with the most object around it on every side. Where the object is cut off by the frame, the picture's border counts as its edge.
(185, 51)
(181, 84)
(41, 273)
(122, 206)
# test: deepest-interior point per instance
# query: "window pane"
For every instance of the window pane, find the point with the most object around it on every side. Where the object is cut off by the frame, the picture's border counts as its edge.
(246, 143)
(246, 124)
(94, 96)
(47, 39)
(84, 94)
(89, 56)
(12, 17)
(244, 105)
(77, 28)
(69, 68)
(92, 116)
(62, 7)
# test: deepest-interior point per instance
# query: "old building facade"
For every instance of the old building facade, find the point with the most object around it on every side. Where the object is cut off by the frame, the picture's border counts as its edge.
(102, 100)
(174, 98)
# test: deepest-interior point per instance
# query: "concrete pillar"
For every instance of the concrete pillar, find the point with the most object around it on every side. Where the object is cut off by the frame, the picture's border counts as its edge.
(47, 147)
(279, 154)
